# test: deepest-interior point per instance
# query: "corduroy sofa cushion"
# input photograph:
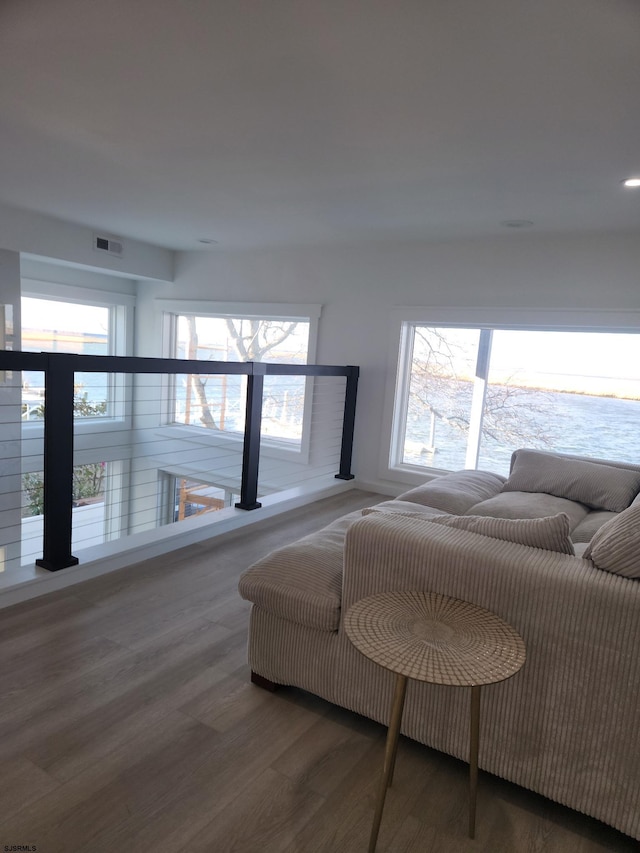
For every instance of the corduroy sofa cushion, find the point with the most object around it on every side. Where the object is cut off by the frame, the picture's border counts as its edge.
(551, 534)
(403, 507)
(457, 492)
(530, 505)
(302, 582)
(591, 483)
(615, 547)
(591, 523)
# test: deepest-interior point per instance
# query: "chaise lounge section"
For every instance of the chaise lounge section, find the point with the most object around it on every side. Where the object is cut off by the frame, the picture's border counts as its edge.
(565, 726)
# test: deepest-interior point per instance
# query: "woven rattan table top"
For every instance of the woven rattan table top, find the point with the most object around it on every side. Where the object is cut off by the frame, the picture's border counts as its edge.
(435, 638)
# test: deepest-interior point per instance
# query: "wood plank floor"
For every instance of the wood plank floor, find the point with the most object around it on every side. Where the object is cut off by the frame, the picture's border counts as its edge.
(128, 722)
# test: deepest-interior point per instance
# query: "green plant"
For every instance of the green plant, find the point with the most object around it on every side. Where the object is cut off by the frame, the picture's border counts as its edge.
(87, 479)
(82, 406)
(87, 483)
(85, 409)
(33, 485)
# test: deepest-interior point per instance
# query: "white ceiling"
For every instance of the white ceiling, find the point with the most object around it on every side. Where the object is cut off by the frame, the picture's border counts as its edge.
(278, 122)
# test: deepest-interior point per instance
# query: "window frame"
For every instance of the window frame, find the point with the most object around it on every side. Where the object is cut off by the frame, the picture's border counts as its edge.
(121, 308)
(400, 349)
(171, 309)
(90, 447)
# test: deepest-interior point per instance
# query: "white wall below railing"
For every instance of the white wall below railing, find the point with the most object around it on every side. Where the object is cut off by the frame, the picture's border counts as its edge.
(88, 531)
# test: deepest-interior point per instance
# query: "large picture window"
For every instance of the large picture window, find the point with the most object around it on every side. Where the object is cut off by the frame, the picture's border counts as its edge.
(468, 397)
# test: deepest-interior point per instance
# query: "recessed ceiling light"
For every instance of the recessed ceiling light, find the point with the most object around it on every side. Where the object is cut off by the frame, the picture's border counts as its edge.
(631, 182)
(517, 223)
(207, 241)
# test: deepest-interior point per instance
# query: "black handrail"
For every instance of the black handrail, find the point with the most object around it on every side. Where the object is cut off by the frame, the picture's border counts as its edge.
(59, 370)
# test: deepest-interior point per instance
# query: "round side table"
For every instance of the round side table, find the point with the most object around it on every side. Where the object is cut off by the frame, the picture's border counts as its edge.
(440, 640)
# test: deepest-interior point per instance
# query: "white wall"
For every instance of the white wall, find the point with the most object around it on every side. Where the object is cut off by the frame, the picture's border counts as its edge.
(361, 286)
(10, 298)
(43, 236)
(43, 271)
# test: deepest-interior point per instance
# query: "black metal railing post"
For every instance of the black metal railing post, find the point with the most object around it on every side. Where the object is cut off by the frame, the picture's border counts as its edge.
(251, 446)
(58, 464)
(348, 424)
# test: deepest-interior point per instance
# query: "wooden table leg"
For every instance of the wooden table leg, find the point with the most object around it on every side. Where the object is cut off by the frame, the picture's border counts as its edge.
(390, 763)
(474, 737)
(389, 756)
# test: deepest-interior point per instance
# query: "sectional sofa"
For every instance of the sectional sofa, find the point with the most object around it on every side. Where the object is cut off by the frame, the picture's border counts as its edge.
(554, 549)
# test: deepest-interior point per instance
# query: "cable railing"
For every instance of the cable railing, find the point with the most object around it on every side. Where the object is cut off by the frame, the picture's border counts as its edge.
(99, 448)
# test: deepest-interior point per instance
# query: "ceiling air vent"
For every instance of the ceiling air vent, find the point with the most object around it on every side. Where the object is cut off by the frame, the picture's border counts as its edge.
(110, 245)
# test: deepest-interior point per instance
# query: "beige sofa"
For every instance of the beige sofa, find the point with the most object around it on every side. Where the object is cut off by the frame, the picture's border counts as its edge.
(567, 725)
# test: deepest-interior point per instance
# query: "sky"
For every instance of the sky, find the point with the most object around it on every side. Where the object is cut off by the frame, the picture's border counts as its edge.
(586, 362)
(575, 361)
(63, 316)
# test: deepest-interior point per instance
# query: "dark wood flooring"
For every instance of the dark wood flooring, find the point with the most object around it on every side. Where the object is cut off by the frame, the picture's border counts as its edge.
(128, 723)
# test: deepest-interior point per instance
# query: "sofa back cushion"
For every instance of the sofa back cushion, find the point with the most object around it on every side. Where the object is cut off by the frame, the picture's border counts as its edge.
(456, 492)
(591, 523)
(615, 547)
(530, 505)
(592, 483)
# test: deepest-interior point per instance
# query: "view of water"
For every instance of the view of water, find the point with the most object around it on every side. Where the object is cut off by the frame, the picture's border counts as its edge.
(602, 427)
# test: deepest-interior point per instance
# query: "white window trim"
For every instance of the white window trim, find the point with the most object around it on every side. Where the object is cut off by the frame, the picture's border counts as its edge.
(121, 307)
(565, 319)
(255, 310)
(250, 310)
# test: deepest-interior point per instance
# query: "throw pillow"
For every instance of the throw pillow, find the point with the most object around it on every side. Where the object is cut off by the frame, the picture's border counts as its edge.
(551, 533)
(615, 547)
(590, 483)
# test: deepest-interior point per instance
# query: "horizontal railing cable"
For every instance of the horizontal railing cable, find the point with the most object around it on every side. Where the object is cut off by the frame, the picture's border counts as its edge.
(110, 446)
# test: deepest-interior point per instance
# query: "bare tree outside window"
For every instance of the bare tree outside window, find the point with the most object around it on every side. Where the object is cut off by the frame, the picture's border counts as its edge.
(253, 339)
(443, 373)
(214, 401)
(197, 382)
